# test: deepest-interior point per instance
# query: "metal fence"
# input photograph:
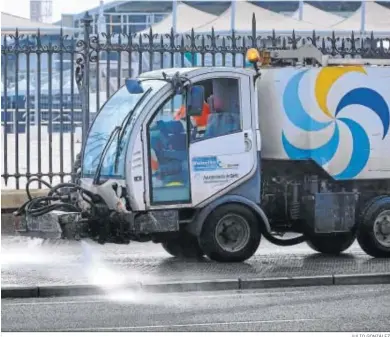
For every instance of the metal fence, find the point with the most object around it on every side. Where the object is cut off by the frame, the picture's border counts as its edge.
(53, 85)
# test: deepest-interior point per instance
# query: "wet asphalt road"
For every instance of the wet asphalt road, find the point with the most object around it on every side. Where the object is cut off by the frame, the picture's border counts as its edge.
(33, 262)
(335, 308)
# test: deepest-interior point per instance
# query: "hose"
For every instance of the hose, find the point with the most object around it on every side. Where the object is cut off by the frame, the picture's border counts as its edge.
(78, 187)
(59, 207)
(41, 205)
(32, 180)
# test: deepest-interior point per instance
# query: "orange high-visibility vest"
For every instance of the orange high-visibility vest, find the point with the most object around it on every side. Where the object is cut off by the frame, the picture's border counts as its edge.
(154, 161)
(201, 121)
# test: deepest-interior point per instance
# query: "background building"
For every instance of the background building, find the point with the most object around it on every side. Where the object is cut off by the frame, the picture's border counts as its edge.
(134, 16)
(41, 10)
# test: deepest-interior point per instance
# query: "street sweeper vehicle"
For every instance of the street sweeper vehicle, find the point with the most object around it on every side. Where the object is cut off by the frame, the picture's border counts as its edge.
(207, 161)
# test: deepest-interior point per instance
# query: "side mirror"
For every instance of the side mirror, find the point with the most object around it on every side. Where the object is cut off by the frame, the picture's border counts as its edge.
(195, 100)
(133, 86)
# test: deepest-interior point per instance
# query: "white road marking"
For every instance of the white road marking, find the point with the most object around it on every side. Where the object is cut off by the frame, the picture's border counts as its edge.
(191, 325)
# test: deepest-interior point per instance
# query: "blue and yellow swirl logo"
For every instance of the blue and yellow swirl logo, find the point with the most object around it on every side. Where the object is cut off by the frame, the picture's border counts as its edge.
(300, 118)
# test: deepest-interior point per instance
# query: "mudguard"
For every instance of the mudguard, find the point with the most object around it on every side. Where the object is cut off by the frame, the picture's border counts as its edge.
(195, 226)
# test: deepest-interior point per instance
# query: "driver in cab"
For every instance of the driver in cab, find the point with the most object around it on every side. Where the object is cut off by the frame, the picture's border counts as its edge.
(199, 122)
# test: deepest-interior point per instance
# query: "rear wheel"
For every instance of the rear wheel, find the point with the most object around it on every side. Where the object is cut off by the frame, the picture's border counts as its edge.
(230, 234)
(185, 246)
(374, 228)
(331, 244)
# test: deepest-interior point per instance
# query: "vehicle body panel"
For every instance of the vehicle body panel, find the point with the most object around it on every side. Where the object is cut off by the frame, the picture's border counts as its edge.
(336, 116)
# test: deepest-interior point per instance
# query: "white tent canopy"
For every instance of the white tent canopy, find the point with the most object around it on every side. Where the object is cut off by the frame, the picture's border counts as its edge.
(266, 20)
(377, 19)
(9, 24)
(187, 18)
(317, 16)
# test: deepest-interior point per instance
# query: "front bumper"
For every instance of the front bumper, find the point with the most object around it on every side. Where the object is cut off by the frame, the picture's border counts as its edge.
(54, 225)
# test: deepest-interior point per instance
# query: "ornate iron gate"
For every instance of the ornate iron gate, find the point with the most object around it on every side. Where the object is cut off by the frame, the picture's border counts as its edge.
(53, 85)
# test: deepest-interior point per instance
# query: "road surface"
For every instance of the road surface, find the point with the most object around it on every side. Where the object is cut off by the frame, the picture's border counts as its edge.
(335, 308)
(34, 262)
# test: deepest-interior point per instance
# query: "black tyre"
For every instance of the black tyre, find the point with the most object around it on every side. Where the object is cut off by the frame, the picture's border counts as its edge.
(185, 246)
(230, 233)
(373, 233)
(331, 244)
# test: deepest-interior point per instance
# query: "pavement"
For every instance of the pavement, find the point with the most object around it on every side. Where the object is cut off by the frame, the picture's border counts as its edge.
(337, 308)
(32, 262)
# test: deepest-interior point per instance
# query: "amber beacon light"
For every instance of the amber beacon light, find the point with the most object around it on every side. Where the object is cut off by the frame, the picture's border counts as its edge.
(253, 55)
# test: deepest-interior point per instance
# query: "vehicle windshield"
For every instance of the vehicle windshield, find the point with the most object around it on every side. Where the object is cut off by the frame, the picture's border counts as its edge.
(112, 115)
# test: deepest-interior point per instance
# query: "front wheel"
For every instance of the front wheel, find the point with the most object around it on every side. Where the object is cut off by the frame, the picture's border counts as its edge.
(230, 234)
(374, 228)
(331, 244)
(185, 246)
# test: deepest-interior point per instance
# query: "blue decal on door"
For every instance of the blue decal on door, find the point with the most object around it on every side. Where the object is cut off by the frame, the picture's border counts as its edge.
(210, 163)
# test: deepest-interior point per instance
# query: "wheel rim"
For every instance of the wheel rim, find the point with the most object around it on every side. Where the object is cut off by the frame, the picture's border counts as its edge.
(232, 233)
(382, 228)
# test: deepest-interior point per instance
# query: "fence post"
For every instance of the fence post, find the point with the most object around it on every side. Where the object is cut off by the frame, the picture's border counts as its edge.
(86, 20)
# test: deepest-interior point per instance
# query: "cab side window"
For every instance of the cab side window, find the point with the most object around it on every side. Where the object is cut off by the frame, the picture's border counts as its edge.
(221, 111)
(168, 153)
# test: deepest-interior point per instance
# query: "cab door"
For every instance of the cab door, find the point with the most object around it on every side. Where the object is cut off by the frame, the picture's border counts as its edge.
(167, 148)
(225, 153)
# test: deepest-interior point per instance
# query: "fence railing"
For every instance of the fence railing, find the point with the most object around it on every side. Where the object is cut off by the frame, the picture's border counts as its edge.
(53, 85)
